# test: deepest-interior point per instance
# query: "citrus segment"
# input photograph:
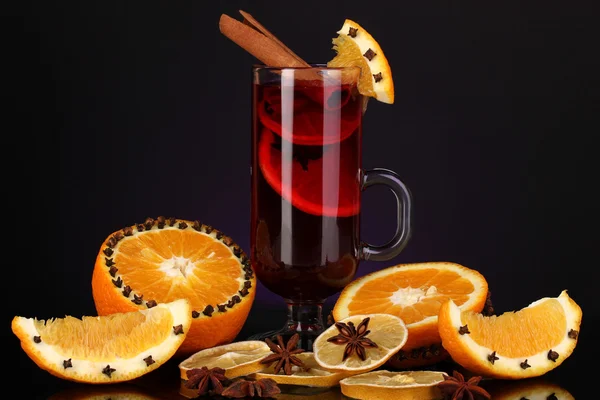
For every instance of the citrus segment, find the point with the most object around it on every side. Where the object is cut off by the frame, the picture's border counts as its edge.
(382, 385)
(312, 375)
(313, 123)
(387, 332)
(105, 349)
(237, 359)
(355, 47)
(514, 345)
(304, 187)
(415, 293)
(165, 259)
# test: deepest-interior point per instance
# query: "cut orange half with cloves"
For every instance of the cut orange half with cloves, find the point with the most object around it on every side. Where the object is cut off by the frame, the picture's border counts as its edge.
(360, 343)
(163, 259)
(105, 349)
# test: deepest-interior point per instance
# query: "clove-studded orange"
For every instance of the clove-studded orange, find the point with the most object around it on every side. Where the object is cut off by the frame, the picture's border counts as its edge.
(164, 259)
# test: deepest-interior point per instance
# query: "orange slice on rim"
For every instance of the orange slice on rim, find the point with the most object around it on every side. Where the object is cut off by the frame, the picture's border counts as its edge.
(356, 47)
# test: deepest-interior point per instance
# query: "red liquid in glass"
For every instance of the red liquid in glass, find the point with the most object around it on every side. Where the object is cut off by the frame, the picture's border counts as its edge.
(306, 188)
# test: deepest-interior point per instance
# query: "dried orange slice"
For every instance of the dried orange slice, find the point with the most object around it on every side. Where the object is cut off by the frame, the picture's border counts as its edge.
(379, 337)
(415, 293)
(237, 359)
(383, 385)
(164, 259)
(355, 47)
(514, 345)
(105, 349)
(312, 375)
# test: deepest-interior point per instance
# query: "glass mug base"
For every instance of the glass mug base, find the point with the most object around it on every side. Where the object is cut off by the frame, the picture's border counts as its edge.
(304, 319)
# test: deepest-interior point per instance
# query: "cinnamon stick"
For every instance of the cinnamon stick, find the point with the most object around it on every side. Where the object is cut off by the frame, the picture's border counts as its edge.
(264, 48)
(251, 21)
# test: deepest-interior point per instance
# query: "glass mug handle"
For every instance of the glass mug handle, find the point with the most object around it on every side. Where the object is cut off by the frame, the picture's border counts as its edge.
(382, 176)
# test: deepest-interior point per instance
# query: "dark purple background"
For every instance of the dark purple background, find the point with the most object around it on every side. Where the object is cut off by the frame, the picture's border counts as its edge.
(124, 110)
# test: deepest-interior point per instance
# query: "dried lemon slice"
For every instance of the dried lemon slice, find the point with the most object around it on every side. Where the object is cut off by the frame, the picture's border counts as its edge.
(355, 47)
(237, 359)
(383, 385)
(312, 375)
(360, 343)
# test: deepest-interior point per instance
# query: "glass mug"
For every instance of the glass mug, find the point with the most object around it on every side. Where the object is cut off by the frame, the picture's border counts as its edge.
(307, 181)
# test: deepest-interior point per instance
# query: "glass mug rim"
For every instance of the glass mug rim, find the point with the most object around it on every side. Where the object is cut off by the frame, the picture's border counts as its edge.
(312, 66)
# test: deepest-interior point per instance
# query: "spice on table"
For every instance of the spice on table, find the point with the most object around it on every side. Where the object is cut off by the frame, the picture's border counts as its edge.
(283, 354)
(247, 388)
(206, 380)
(354, 338)
(456, 388)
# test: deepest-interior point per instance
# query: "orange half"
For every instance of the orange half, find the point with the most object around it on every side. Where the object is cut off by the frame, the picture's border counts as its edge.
(415, 293)
(166, 259)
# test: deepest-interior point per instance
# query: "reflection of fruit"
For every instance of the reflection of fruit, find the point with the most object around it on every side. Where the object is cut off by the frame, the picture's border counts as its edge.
(387, 331)
(339, 273)
(310, 394)
(527, 389)
(409, 385)
(312, 123)
(356, 47)
(312, 376)
(304, 188)
(514, 345)
(118, 391)
(105, 349)
(417, 357)
(112, 392)
(264, 249)
(166, 259)
(237, 359)
(414, 292)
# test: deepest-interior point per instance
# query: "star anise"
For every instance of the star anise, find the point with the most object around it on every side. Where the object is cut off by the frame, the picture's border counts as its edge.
(354, 338)
(283, 354)
(245, 388)
(206, 380)
(456, 388)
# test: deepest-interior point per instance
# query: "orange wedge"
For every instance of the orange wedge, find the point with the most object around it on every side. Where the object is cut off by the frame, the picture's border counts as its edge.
(355, 47)
(514, 345)
(415, 293)
(105, 349)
